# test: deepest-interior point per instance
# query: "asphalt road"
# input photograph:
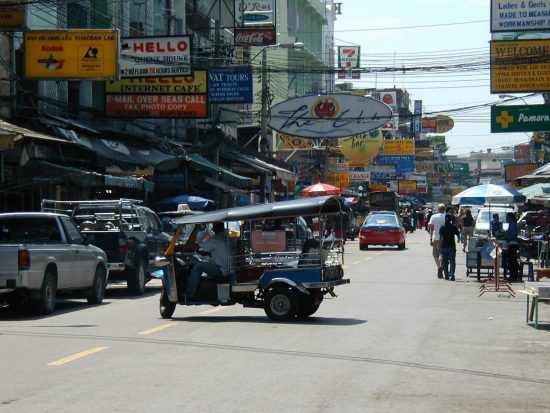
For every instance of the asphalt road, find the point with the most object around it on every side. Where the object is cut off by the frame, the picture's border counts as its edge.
(396, 339)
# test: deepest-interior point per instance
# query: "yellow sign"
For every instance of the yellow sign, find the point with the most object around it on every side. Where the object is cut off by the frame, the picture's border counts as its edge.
(406, 187)
(181, 85)
(520, 66)
(71, 54)
(287, 142)
(339, 179)
(378, 188)
(12, 15)
(362, 147)
(399, 147)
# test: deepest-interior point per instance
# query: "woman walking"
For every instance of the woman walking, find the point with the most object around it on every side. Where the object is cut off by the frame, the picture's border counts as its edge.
(467, 223)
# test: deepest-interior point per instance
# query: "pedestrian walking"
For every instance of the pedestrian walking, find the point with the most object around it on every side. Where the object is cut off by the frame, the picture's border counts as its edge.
(467, 223)
(448, 247)
(512, 244)
(421, 219)
(436, 222)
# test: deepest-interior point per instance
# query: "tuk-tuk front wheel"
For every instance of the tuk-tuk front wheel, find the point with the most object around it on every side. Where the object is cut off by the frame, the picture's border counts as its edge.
(281, 304)
(166, 307)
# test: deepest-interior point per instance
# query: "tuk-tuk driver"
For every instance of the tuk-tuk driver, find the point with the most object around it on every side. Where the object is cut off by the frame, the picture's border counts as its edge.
(221, 247)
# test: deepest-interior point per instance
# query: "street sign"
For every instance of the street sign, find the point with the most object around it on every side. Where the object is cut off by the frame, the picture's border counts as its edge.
(519, 15)
(520, 118)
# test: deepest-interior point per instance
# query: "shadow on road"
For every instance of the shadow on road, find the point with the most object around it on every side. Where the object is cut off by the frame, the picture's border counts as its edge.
(264, 320)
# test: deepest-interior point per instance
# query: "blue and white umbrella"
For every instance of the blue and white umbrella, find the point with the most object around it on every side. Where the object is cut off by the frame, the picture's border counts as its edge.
(489, 194)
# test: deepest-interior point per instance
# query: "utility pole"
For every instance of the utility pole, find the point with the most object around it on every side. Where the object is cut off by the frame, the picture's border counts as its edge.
(265, 101)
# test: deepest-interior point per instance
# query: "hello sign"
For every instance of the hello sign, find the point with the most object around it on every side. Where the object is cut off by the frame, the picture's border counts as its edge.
(329, 116)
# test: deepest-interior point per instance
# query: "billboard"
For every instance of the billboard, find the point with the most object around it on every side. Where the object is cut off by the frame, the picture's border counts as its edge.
(520, 66)
(231, 85)
(155, 56)
(520, 118)
(177, 97)
(12, 15)
(71, 54)
(362, 147)
(255, 13)
(406, 187)
(399, 147)
(519, 15)
(329, 116)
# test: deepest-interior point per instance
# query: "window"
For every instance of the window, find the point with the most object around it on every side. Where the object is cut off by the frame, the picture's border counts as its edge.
(73, 234)
(29, 229)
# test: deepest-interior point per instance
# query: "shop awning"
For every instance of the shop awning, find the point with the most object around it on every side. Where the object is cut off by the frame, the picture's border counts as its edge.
(10, 131)
(260, 164)
(224, 187)
(200, 162)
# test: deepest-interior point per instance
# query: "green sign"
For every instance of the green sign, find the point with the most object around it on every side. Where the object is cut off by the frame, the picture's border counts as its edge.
(521, 118)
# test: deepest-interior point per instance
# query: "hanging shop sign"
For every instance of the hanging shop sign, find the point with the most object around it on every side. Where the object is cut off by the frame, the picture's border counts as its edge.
(519, 15)
(176, 97)
(155, 56)
(520, 66)
(362, 147)
(349, 57)
(359, 176)
(254, 36)
(255, 13)
(437, 124)
(232, 85)
(399, 147)
(12, 15)
(520, 118)
(392, 125)
(406, 187)
(329, 116)
(71, 54)
(286, 143)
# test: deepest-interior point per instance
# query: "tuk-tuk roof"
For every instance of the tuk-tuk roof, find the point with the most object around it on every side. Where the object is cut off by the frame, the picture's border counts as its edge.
(284, 209)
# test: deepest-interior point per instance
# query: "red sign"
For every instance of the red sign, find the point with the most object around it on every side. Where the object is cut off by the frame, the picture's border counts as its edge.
(156, 106)
(254, 37)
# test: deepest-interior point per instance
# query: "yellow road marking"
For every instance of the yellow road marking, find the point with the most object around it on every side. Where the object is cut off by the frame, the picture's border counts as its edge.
(77, 356)
(356, 262)
(213, 310)
(155, 329)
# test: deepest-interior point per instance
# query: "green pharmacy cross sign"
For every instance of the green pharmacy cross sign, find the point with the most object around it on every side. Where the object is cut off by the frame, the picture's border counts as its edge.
(520, 118)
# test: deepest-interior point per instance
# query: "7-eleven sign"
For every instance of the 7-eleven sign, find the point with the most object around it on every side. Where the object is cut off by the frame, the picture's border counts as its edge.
(348, 57)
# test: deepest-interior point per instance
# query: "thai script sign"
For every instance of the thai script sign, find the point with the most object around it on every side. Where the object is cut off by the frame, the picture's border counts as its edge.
(329, 116)
(519, 15)
(233, 85)
(155, 56)
(399, 147)
(520, 118)
(71, 54)
(520, 66)
(177, 97)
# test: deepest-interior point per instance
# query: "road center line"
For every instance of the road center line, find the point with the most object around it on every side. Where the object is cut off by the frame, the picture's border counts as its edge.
(155, 329)
(213, 310)
(77, 356)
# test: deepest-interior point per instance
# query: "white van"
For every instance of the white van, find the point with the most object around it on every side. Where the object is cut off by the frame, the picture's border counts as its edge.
(485, 216)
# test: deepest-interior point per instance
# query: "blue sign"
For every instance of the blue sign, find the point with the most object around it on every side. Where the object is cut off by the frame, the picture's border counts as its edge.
(393, 159)
(232, 85)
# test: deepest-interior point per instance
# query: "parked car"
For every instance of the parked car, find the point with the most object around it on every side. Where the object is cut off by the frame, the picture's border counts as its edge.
(130, 233)
(43, 254)
(485, 216)
(382, 228)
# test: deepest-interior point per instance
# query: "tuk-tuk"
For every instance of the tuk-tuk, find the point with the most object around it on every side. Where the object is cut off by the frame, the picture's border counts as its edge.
(275, 267)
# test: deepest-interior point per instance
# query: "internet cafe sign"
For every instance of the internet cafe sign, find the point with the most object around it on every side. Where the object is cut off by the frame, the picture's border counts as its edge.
(329, 116)
(519, 15)
(155, 56)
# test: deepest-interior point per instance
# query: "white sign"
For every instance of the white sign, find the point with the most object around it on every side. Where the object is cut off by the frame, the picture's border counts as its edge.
(155, 56)
(329, 116)
(348, 57)
(359, 176)
(257, 13)
(393, 124)
(519, 15)
(338, 167)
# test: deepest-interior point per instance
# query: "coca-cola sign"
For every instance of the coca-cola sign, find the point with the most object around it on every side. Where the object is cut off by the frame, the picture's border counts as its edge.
(254, 37)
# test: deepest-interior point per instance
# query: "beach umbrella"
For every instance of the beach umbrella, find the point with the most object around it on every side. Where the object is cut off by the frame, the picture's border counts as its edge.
(320, 189)
(489, 194)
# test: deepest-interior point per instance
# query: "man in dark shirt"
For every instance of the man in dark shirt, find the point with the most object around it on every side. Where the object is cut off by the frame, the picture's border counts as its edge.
(448, 247)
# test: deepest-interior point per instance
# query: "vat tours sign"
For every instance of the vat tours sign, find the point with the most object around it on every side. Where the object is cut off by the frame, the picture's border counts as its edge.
(155, 56)
(519, 15)
(520, 118)
(232, 85)
(329, 116)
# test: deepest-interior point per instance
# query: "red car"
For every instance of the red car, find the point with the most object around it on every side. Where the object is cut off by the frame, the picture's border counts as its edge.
(382, 228)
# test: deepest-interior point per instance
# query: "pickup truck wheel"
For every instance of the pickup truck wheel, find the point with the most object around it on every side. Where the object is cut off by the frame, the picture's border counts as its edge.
(97, 290)
(281, 304)
(46, 303)
(136, 279)
(166, 307)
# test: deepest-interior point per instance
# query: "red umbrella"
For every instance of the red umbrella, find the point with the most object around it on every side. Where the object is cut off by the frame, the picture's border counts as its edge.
(320, 189)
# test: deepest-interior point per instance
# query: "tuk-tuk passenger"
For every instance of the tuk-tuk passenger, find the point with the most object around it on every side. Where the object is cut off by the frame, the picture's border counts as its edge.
(220, 248)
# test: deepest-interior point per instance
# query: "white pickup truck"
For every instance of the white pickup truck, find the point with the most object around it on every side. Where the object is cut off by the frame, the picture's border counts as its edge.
(45, 253)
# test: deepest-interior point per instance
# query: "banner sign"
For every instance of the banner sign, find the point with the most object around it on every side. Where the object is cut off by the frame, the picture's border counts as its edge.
(255, 13)
(329, 116)
(254, 37)
(520, 118)
(177, 97)
(349, 57)
(232, 85)
(71, 54)
(519, 15)
(520, 66)
(286, 142)
(406, 187)
(12, 15)
(399, 147)
(155, 56)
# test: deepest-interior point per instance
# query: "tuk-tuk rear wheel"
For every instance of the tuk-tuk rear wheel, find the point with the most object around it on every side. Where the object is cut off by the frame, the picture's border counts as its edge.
(281, 304)
(166, 307)
(309, 304)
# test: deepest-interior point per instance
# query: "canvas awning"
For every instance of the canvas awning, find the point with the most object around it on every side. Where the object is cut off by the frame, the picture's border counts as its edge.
(200, 162)
(13, 132)
(263, 166)
(224, 187)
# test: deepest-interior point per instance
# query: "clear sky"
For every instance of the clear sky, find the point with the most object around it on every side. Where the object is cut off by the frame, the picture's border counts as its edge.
(454, 34)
